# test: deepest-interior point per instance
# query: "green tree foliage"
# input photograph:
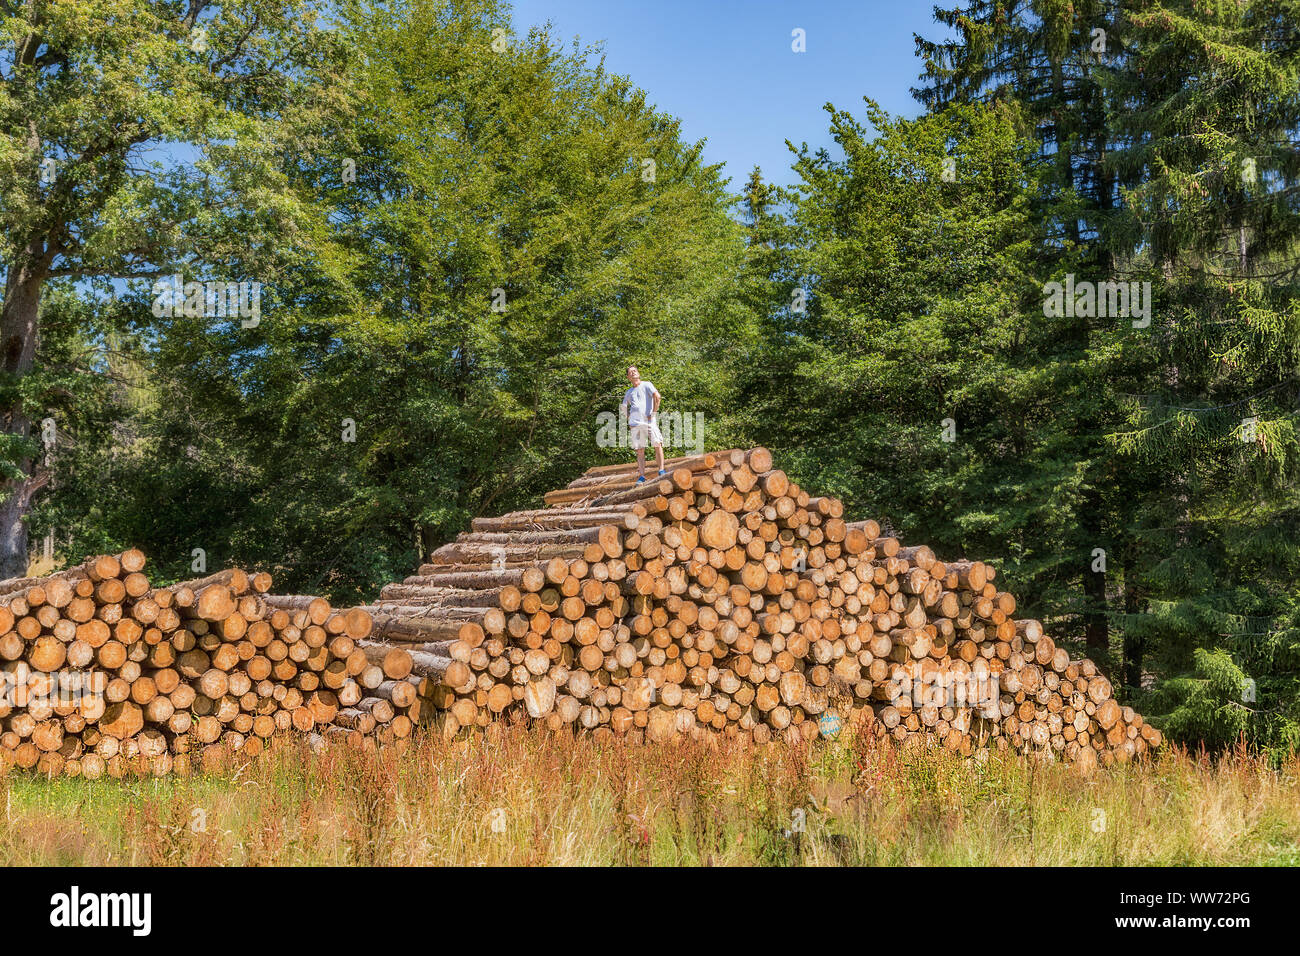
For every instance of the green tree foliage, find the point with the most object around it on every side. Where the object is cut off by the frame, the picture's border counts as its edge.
(1206, 116)
(92, 95)
(1181, 171)
(1046, 56)
(924, 323)
(512, 226)
(1216, 706)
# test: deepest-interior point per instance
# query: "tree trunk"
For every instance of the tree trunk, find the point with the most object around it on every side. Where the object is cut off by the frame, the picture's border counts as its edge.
(13, 530)
(1134, 644)
(1096, 623)
(1095, 620)
(18, 327)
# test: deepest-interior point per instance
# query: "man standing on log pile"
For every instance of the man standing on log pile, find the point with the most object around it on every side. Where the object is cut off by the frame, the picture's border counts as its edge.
(641, 407)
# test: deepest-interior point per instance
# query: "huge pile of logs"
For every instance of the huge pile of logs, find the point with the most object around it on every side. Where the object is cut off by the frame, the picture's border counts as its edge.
(105, 674)
(720, 598)
(724, 598)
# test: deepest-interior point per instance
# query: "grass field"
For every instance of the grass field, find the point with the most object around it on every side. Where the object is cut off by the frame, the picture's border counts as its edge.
(528, 797)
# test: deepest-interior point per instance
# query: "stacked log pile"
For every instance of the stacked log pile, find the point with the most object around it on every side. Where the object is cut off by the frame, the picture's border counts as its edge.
(720, 598)
(105, 674)
(724, 598)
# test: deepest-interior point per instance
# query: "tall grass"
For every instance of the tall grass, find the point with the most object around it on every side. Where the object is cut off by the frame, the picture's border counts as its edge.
(526, 797)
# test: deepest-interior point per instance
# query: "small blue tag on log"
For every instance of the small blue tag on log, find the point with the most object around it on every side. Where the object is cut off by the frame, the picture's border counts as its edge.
(829, 725)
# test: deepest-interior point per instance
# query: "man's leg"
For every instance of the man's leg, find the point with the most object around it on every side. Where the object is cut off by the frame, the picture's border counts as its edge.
(659, 457)
(640, 438)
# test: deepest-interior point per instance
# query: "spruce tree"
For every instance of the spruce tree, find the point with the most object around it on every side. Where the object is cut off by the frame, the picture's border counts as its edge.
(1046, 56)
(1206, 115)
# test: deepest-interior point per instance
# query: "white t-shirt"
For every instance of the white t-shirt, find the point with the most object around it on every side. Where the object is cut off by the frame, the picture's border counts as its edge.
(639, 400)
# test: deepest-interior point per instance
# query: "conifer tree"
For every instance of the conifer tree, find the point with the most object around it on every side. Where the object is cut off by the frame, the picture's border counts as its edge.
(1046, 56)
(1206, 117)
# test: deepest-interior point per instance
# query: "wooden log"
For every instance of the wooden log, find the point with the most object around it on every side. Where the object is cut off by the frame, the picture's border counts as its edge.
(318, 609)
(395, 661)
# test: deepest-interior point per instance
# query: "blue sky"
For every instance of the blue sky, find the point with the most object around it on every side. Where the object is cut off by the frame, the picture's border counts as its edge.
(726, 67)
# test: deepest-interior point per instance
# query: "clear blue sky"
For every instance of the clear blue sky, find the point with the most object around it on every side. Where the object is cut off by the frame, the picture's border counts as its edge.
(726, 68)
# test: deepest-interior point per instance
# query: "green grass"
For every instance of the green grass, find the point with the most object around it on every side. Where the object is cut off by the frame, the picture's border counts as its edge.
(516, 796)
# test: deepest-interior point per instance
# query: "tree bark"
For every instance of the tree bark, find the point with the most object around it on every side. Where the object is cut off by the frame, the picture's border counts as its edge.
(18, 337)
(1096, 623)
(1134, 644)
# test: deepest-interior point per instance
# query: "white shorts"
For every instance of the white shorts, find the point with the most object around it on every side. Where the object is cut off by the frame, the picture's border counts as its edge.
(645, 432)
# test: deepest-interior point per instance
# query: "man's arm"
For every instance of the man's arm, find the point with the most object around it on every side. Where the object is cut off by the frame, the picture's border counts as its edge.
(655, 409)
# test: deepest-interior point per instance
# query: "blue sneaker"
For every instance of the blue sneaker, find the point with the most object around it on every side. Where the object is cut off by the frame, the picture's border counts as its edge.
(662, 472)
(641, 480)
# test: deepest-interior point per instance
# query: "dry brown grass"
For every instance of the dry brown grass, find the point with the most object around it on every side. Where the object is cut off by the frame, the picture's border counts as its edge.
(526, 797)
